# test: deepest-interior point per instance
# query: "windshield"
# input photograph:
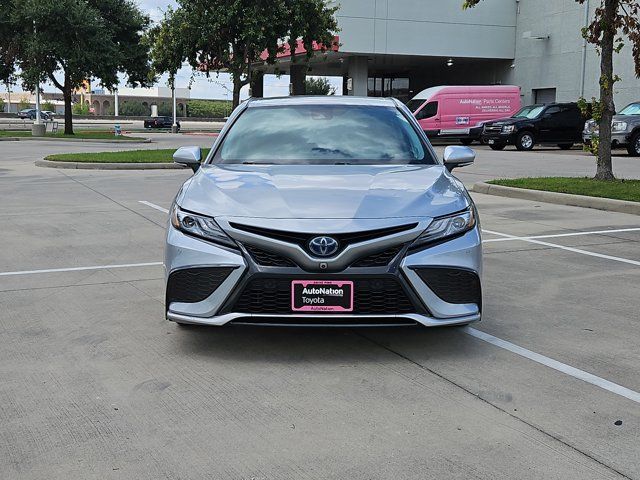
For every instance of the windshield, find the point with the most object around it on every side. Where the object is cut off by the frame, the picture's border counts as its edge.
(414, 104)
(531, 111)
(633, 109)
(322, 135)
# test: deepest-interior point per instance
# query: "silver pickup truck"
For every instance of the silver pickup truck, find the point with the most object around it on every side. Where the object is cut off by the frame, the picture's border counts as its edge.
(625, 129)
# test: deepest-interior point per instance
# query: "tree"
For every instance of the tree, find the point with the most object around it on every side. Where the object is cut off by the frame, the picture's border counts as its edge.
(612, 17)
(231, 35)
(1, 104)
(319, 86)
(69, 42)
(48, 106)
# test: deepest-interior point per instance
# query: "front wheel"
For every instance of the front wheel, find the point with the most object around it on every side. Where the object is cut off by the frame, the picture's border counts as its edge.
(634, 146)
(525, 141)
(565, 146)
(466, 141)
(497, 147)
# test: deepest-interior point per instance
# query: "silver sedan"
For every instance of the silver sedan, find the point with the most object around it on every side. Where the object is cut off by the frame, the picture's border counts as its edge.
(323, 211)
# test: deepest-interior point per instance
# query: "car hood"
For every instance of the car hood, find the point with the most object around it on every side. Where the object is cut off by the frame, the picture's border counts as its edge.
(505, 121)
(323, 192)
(627, 118)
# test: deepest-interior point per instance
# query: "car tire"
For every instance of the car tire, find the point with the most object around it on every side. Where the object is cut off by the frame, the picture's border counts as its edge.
(497, 147)
(565, 146)
(634, 145)
(525, 141)
(466, 141)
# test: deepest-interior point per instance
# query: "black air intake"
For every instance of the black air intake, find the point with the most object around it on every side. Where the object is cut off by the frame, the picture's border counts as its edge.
(453, 285)
(192, 285)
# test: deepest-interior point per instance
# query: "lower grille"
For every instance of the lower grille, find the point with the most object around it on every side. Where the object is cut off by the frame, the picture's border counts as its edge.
(381, 259)
(268, 259)
(322, 322)
(453, 285)
(192, 285)
(372, 296)
(492, 129)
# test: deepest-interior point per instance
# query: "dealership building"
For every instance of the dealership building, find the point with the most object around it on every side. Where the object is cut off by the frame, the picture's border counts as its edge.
(400, 47)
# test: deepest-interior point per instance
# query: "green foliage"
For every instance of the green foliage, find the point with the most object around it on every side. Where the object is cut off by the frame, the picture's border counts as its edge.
(165, 41)
(232, 34)
(319, 86)
(133, 108)
(165, 109)
(209, 108)
(80, 108)
(23, 104)
(1, 104)
(77, 40)
(127, 156)
(48, 106)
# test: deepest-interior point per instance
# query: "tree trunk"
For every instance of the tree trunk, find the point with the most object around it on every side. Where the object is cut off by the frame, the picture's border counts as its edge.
(237, 85)
(605, 168)
(68, 114)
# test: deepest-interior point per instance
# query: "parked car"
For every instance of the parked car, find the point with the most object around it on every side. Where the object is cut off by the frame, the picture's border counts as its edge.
(558, 124)
(458, 112)
(160, 122)
(625, 129)
(324, 210)
(30, 113)
(50, 115)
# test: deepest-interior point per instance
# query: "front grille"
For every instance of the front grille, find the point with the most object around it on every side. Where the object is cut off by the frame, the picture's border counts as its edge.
(344, 239)
(492, 128)
(268, 259)
(453, 285)
(380, 259)
(192, 285)
(372, 296)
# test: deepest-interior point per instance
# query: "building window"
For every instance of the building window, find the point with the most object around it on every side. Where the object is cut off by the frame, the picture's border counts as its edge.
(388, 87)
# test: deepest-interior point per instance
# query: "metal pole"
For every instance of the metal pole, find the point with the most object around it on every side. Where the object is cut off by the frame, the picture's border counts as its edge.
(584, 51)
(38, 119)
(115, 106)
(174, 127)
(9, 96)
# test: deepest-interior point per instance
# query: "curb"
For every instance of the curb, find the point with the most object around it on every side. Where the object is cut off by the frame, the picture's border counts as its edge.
(108, 166)
(608, 204)
(80, 140)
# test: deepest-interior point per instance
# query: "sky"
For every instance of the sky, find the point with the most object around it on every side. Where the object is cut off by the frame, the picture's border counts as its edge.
(217, 86)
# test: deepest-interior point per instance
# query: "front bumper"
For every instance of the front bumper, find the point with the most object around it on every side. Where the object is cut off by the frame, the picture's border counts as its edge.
(221, 306)
(618, 139)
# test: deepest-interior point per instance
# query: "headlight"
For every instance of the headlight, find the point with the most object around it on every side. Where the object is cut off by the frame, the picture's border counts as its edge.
(619, 126)
(200, 226)
(508, 129)
(449, 226)
(589, 125)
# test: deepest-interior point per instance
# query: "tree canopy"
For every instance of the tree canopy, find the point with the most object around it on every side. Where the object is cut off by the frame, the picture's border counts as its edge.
(71, 41)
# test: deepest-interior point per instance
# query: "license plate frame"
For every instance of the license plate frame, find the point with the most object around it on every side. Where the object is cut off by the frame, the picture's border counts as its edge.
(317, 296)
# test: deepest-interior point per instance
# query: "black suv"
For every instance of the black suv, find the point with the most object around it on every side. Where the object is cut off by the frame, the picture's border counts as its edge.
(559, 124)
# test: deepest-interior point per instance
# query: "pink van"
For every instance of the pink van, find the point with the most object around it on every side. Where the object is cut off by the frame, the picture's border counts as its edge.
(458, 112)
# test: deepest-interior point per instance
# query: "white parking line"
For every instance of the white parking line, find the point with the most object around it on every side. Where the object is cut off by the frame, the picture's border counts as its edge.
(79, 269)
(153, 205)
(556, 365)
(558, 235)
(569, 249)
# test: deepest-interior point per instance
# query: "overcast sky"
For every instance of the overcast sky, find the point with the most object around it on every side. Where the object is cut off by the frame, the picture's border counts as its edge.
(216, 86)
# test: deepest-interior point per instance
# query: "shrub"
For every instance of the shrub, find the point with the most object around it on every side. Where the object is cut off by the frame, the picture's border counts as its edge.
(318, 86)
(132, 108)
(23, 104)
(1, 104)
(80, 109)
(48, 106)
(208, 108)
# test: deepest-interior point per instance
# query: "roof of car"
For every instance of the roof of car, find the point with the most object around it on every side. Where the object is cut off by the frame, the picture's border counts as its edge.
(321, 100)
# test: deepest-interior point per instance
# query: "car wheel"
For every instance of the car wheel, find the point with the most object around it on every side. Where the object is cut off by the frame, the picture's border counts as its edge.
(466, 141)
(565, 146)
(634, 146)
(497, 147)
(525, 141)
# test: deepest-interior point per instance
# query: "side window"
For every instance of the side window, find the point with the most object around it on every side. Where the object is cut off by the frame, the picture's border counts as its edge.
(552, 111)
(428, 111)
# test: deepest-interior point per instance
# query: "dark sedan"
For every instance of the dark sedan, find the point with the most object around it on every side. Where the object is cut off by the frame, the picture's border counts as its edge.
(160, 122)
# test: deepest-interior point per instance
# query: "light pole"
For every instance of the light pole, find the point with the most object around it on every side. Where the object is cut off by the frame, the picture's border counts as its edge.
(37, 129)
(174, 126)
(115, 102)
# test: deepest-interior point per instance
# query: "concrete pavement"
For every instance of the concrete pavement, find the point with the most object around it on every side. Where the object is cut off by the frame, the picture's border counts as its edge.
(96, 384)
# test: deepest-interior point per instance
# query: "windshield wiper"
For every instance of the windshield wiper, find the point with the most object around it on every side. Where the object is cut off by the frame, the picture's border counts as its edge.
(258, 163)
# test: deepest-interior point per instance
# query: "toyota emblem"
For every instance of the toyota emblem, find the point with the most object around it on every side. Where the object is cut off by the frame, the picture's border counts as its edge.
(323, 246)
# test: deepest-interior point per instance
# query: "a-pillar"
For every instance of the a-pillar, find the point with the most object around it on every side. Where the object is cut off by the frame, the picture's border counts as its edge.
(297, 74)
(257, 84)
(358, 72)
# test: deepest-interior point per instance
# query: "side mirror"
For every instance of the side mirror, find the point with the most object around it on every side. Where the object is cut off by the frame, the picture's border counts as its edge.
(189, 156)
(457, 156)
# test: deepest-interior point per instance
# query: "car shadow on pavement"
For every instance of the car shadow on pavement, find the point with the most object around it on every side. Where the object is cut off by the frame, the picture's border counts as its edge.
(331, 345)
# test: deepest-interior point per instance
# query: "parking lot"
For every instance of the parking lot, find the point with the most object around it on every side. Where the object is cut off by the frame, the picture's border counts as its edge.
(95, 383)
